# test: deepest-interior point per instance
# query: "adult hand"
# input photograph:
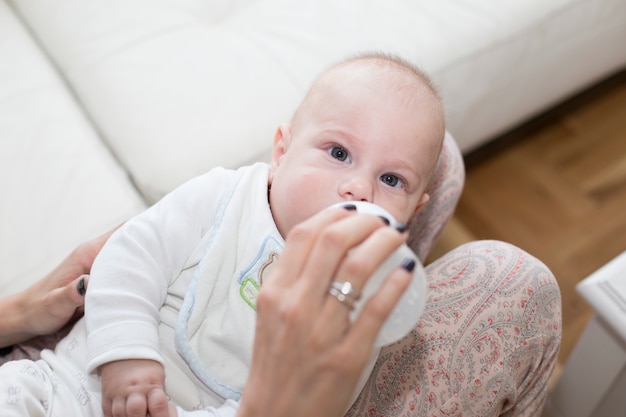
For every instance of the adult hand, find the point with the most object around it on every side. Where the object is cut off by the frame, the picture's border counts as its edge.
(307, 355)
(53, 301)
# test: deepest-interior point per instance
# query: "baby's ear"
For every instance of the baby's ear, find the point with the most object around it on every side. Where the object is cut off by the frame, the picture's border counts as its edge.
(425, 198)
(281, 142)
(279, 147)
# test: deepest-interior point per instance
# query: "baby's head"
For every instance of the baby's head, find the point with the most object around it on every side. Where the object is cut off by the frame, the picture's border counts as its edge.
(369, 129)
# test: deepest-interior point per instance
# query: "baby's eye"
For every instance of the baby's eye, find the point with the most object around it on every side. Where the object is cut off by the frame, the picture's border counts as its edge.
(391, 180)
(338, 153)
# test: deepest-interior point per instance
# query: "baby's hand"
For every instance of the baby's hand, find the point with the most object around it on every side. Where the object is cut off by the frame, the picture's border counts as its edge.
(133, 388)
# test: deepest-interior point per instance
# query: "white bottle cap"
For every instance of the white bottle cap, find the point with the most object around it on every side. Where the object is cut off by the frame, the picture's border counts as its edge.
(408, 311)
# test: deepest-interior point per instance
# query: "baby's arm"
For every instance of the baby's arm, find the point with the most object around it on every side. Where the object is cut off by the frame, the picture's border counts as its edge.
(134, 387)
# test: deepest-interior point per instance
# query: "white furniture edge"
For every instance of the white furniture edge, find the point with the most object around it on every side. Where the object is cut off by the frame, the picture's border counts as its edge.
(605, 285)
(593, 378)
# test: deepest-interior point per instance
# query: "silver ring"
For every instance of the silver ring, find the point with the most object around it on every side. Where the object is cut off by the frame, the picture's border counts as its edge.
(345, 293)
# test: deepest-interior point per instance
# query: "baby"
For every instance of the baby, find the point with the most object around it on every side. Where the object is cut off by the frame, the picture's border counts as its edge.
(173, 291)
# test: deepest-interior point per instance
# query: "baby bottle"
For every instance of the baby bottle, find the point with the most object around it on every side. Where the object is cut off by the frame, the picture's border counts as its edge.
(409, 308)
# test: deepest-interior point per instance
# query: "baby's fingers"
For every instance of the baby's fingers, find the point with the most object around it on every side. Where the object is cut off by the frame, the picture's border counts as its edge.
(117, 408)
(157, 403)
(136, 405)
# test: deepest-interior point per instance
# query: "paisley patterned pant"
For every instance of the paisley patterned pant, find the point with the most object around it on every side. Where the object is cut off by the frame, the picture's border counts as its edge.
(486, 345)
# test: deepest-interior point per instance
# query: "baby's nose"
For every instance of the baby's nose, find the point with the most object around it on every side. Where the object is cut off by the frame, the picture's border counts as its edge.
(357, 188)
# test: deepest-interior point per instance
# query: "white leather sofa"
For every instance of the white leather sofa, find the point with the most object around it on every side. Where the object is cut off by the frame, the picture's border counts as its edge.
(105, 105)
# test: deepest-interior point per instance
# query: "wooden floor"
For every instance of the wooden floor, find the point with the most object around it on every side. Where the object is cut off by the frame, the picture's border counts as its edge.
(555, 187)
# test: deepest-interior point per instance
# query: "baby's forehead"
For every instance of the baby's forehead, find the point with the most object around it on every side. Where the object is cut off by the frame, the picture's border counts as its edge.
(407, 86)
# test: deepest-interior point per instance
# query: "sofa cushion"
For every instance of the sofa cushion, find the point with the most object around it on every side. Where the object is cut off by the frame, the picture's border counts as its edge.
(60, 185)
(178, 87)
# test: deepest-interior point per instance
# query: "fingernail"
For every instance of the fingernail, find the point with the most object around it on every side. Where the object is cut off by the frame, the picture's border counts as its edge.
(82, 289)
(349, 207)
(408, 265)
(402, 227)
(385, 220)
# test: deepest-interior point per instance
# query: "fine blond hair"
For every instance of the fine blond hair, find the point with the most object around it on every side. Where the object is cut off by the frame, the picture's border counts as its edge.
(398, 73)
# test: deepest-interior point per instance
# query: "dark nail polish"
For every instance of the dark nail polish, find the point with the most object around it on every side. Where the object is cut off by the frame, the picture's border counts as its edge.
(349, 207)
(82, 289)
(408, 265)
(402, 227)
(385, 220)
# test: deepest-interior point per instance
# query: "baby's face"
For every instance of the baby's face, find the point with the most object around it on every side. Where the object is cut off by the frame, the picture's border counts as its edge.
(363, 144)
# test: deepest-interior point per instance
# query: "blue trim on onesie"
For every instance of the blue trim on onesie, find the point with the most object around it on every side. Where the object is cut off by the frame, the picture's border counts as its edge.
(183, 346)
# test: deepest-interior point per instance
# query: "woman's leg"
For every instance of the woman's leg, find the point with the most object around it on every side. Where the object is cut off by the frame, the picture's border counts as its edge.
(486, 345)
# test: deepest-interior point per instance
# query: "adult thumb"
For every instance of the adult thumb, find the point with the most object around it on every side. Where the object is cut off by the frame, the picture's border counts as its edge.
(75, 291)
